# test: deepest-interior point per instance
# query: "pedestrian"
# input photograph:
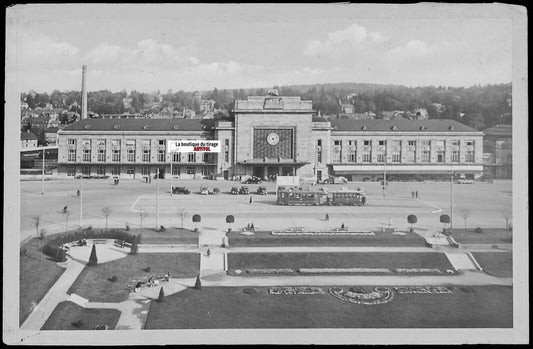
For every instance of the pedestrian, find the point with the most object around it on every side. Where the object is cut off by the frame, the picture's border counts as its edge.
(208, 252)
(250, 199)
(252, 227)
(78, 193)
(327, 217)
(342, 226)
(65, 209)
(416, 194)
(149, 179)
(412, 194)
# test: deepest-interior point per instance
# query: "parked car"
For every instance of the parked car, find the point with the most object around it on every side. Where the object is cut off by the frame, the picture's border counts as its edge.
(234, 190)
(253, 180)
(180, 190)
(334, 180)
(262, 191)
(465, 181)
(244, 190)
(204, 190)
(214, 191)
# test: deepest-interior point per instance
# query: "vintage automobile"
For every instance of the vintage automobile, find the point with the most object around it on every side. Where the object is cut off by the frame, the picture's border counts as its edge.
(244, 190)
(465, 181)
(253, 180)
(234, 190)
(180, 190)
(262, 191)
(214, 191)
(204, 190)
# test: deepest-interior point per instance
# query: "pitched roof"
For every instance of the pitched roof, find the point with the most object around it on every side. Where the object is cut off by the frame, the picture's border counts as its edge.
(499, 130)
(433, 125)
(27, 136)
(141, 125)
(51, 130)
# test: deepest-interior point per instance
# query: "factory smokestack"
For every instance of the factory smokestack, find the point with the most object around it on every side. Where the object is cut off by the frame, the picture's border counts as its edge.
(83, 92)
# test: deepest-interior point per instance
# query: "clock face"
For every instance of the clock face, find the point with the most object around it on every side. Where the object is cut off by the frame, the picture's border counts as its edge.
(273, 138)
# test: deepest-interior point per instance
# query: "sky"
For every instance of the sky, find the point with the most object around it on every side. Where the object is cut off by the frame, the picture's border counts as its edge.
(199, 47)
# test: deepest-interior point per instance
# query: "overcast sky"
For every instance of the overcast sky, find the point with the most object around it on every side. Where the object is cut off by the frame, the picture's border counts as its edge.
(199, 47)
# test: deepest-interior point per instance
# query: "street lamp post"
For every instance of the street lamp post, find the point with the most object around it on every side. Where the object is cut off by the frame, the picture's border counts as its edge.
(157, 199)
(385, 177)
(171, 173)
(81, 198)
(42, 179)
(451, 201)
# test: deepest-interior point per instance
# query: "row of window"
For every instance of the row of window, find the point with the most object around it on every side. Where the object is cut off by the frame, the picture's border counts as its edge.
(130, 156)
(145, 171)
(115, 142)
(410, 156)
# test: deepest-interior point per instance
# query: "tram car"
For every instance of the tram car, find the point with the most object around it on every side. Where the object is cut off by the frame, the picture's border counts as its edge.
(316, 198)
(347, 198)
(299, 197)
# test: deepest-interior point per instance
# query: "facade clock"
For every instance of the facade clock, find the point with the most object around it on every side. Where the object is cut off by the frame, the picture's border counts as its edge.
(272, 138)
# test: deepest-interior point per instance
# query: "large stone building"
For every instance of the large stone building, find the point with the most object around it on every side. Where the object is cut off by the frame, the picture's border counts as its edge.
(498, 145)
(272, 135)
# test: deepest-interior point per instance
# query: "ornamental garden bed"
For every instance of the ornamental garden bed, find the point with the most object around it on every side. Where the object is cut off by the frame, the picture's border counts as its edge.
(495, 263)
(70, 316)
(317, 307)
(309, 263)
(97, 284)
(38, 273)
(266, 238)
(488, 236)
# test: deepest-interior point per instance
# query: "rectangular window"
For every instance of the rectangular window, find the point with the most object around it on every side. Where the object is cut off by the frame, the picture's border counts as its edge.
(205, 171)
(161, 142)
(131, 155)
(161, 156)
(115, 171)
(191, 157)
(425, 142)
(411, 143)
(381, 157)
(101, 155)
(469, 143)
(352, 151)
(366, 142)
(206, 157)
(71, 155)
(425, 156)
(319, 151)
(176, 171)
(440, 156)
(146, 155)
(455, 143)
(71, 172)
(455, 155)
(176, 157)
(337, 151)
(100, 170)
(130, 171)
(469, 155)
(116, 155)
(396, 157)
(145, 171)
(226, 150)
(382, 143)
(190, 170)
(410, 156)
(367, 157)
(86, 170)
(86, 155)
(71, 142)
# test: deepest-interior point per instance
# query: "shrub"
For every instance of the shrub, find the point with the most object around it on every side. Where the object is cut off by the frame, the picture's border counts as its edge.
(60, 255)
(478, 230)
(445, 219)
(127, 227)
(93, 260)
(134, 248)
(198, 284)
(23, 251)
(161, 298)
(77, 324)
(162, 228)
(113, 278)
(147, 269)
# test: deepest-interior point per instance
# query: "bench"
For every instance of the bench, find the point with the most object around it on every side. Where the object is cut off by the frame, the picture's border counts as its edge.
(99, 241)
(118, 243)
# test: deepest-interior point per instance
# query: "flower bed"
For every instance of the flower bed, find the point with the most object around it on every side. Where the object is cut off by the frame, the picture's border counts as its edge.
(294, 290)
(270, 271)
(326, 233)
(417, 270)
(343, 270)
(423, 289)
(363, 295)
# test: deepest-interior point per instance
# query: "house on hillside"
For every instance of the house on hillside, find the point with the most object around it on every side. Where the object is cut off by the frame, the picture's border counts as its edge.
(50, 135)
(28, 140)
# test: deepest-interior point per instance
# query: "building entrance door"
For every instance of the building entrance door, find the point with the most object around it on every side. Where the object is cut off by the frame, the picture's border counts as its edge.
(161, 173)
(258, 171)
(226, 175)
(318, 176)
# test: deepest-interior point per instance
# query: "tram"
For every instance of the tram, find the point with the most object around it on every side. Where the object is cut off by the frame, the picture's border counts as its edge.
(301, 197)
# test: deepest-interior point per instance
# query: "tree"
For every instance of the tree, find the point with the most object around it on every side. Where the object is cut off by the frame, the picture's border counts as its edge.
(464, 213)
(230, 219)
(196, 219)
(445, 219)
(42, 234)
(93, 260)
(507, 215)
(106, 211)
(182, 214)
(134, 245)
(412, 219)
(161, 298)
(142, 214)
(36, 222)
(198, 283)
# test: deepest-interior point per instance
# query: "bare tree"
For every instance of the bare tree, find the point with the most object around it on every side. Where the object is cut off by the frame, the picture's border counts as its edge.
(36, 222)
(182, 214)
(143, 215)
(507, 215)
(106, 211)
(464, 213)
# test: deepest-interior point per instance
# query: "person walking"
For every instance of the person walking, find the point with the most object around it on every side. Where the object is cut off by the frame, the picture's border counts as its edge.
(327, 217)
(416, 194)
(251, 199)
(208, 252)
(412, 194)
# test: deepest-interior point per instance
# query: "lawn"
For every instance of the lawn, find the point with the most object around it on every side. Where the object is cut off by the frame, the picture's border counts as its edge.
(230, 307)
(93, 283)
(496, 263)
(488, 236)
(67, 313)
(266, 238)
(298, 260)
(36, 277)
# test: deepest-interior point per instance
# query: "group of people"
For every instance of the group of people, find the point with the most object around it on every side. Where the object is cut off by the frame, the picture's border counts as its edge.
(152, 281)
(414, 194)
(116, 180)
(250, 226)
(82, 242)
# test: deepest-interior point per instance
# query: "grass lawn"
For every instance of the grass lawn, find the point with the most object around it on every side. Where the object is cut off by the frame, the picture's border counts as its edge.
(94, 285)
(496, 263)
(36, 277)
(265, 238)
(488, 236)
(66, 313)
(229, 307)
(298, 260)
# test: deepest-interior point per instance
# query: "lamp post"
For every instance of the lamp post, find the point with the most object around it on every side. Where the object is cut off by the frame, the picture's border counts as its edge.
(81, 198)
(157, 198)
(451, 201)
(171, 173)
(385, 177)
(42, 179)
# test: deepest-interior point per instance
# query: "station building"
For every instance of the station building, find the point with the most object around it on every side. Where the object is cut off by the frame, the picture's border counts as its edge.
(268, 136)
